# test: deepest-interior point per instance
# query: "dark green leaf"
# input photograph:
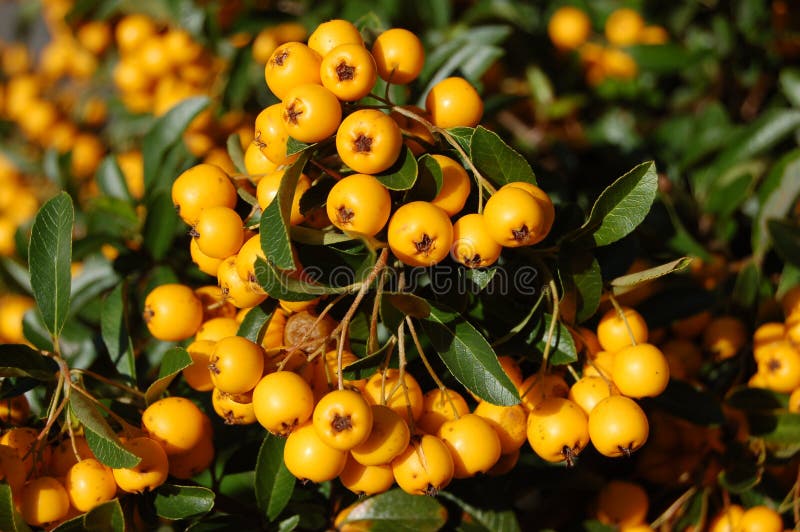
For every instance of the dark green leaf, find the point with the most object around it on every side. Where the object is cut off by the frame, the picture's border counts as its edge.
(166, 132)
(235, 152)
(114, 328)
(623, 205)
(19, 360)
(727, 195)
(281, 286)
(274, 484)
(580, 273)
(101, 439)
(740, 476)
(161, 224)
(35, 331)
(748, 281)
(10, 520)
(429, 182)
(50, 258)
(463, 136)
(488, 519)
(295, 146)
(398, 511)
(468, 356)
(786, 239)
(778, 194)
(597, 526)
(403, 173)
(289, 524)
(96, 276)
(174, 361)
(275, 241)
(409, 304)
(315, 237)
(779, 428)
(755, 399)
(663, 58)
(562, 346)
(111, 180)
(180, 502)
(685, 401)
(629, 282)
(355, 370)
(107, 517)
(497, 161)
(790, 85)
(255, 322)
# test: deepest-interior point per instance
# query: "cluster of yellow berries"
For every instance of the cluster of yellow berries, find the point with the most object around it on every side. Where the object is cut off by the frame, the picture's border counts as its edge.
(55, 481)
(570, 28)
(776, 352)
(18, 204)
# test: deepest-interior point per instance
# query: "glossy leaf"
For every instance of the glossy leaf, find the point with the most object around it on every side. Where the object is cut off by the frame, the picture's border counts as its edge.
(281, 286)
(463, 136)
(778, 427)
(274, 484)
(398, 511)
(50, 258)
(255, 323)
(275, 241)
(165, 133)
(756, 399)
(161, 225)
(580, 272)
(234, 146)
(562, 346)
(180, 502)
(430, 179)
(488, 519)
(19, 360)
(777, 194)
(786, 239)
(114, 329)
(103, 442)
(111, 180)
(497, 161)
(10, 520)
(295, 146)
(174, 361)
(629, 282)
(468, 355)
(623, 205)
(106, 517)
(403, 173)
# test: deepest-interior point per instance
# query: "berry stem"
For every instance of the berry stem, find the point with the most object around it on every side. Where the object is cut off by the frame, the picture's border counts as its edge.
(673, 508)
(622, 316)
(109, 382)
(428, 366)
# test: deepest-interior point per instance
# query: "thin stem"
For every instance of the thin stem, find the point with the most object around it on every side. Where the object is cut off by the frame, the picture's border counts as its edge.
(621, 314)
(303, 341)
(573, 372)
(127, 427)
(434, 376)
(372, 339)
(553, 321)
(673, 508)
(401, 377)
(98, 377)
(796, 501)
(325, 169)
(344, 325)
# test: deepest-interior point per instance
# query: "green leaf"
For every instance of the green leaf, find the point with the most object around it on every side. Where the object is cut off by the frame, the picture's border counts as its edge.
(289, 524)
(623, 205)
(756, 399)
(468, 355)
(235, 152)
(295, 146)
(629, 282)
(275, 241)
(10, 520)
(778, 428)
(726, 196)
(786, 239)
(19, 360)
(562, 346)
(790, 85)
(497, 161)
(463, 135)
(398, 511)
(281, 286)
(255, 322)
(274, 484)
(403, 173)
(409, 304)
(114, 329)
(779, 193)
(161, 224)
(663, 58)
(580, 272)
(174, 361)
(101, 439)
(748, 282)
(166, 132)
(315, 237)
(181, 502)
(685, 401)
(430, 179)
(489, 519)
(104, 518)
(50, 258)
(111, 180)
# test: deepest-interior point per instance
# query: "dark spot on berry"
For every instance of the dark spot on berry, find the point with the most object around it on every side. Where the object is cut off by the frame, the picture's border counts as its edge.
(281, 58)
(292, 113)
(345, 72)
(473, 262)
(344, 215)
(341, 423)
(522, 234)
(425, 245)
(362, 144)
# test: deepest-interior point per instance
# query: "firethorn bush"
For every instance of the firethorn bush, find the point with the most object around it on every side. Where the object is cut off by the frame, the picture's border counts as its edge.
(349, 265)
